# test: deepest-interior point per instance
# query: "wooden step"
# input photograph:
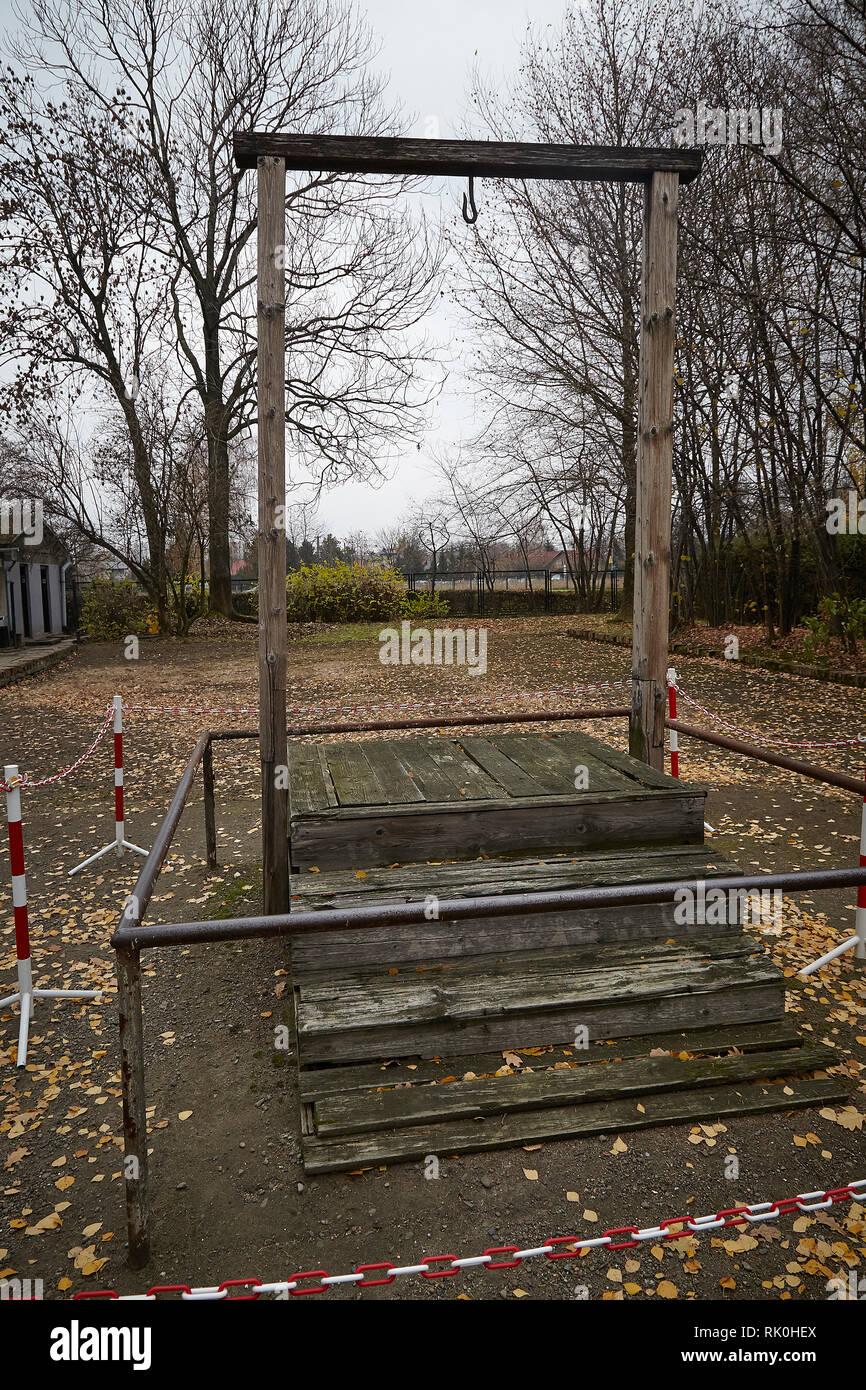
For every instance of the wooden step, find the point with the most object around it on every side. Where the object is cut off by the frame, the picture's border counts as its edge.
(492, 877)
(359, 804)
(355, 1112)
(609, 1116)
(523, 1000)
(316, 1082)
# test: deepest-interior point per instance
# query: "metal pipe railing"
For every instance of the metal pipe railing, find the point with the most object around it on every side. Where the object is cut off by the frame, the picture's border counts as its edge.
(467, 908)
(762, 755)
(132, 936)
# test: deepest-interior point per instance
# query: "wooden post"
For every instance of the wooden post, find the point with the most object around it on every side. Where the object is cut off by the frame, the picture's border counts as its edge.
(652, 565)
(272, 533)
(134, 1106)
(209, 805)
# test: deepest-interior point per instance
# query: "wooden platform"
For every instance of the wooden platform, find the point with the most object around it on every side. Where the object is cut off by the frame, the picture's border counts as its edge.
(683, 1022)
(354, 1116)
(380, 801)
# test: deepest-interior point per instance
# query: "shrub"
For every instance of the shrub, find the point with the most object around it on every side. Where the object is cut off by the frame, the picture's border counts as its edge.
(418, 606)
(844, 618)
(114, 608)
(343, 593)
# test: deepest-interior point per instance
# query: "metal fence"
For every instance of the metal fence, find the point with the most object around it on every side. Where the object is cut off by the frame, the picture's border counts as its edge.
(482, 585)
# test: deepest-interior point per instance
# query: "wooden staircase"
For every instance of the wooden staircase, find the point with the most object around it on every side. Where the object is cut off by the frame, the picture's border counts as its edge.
(611, 1018)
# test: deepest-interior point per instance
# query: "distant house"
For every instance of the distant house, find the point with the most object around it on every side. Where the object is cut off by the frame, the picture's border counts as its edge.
(36, 588)
(556, 562)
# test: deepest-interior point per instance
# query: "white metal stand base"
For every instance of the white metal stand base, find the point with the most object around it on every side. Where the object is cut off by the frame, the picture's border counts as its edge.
(118, 845)
(857, 944)
(26, 995)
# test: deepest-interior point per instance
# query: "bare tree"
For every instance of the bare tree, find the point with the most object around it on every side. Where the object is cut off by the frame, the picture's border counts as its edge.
(178, 78)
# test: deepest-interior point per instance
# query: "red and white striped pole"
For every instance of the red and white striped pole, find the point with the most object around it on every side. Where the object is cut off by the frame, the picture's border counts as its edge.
(119, 843)
(673, 734)
(118, 775)
(25, 994)
(672, 714)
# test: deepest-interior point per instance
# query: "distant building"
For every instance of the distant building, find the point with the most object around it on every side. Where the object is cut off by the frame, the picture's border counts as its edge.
(36, 588)
(98, 564)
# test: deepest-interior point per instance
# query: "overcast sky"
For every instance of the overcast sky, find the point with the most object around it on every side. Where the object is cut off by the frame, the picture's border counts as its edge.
(428, 48)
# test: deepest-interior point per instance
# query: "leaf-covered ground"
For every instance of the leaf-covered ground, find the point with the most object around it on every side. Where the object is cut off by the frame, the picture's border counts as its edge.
(752, 639)
(229, 1194)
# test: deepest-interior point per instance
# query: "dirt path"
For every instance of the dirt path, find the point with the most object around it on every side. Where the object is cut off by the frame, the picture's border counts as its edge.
(229, 1194)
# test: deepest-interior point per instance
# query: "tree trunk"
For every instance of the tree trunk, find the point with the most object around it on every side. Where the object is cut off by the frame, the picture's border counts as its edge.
(216, 424)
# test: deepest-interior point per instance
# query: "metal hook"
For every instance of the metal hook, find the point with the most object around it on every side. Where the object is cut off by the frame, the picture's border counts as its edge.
(471, 203)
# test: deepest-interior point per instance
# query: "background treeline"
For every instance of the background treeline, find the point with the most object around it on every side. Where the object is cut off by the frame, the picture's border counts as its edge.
(770, 384)
(126, 295)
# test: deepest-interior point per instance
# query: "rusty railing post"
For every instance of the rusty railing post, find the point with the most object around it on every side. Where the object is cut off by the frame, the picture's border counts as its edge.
(209, 805)
(134, 1104)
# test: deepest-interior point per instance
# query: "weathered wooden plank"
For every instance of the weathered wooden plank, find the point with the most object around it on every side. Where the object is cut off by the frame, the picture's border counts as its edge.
(470, 781)
(633, 770)
(355, 781)
(310, 783)
(428, 776)
(383, 757)
(271, 389)
(137, 1182)
(566, 1122)
(362, 154)
(352, 837)
(359, 1112)
(455, 878)
(554, 765)
(474, 988)
(548, 964)
(510, 776)
(441, 1016)
(652, 561)
(345, 950)
(760, 1037)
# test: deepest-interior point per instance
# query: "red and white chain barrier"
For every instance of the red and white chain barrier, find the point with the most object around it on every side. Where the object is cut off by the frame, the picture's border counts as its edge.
(554, 1248)
(119, 843)
(25, 780)
(750, 736)
(25, 994)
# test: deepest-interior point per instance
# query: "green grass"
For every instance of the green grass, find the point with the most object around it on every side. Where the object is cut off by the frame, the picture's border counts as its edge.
(230, 899)
(354, 632)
